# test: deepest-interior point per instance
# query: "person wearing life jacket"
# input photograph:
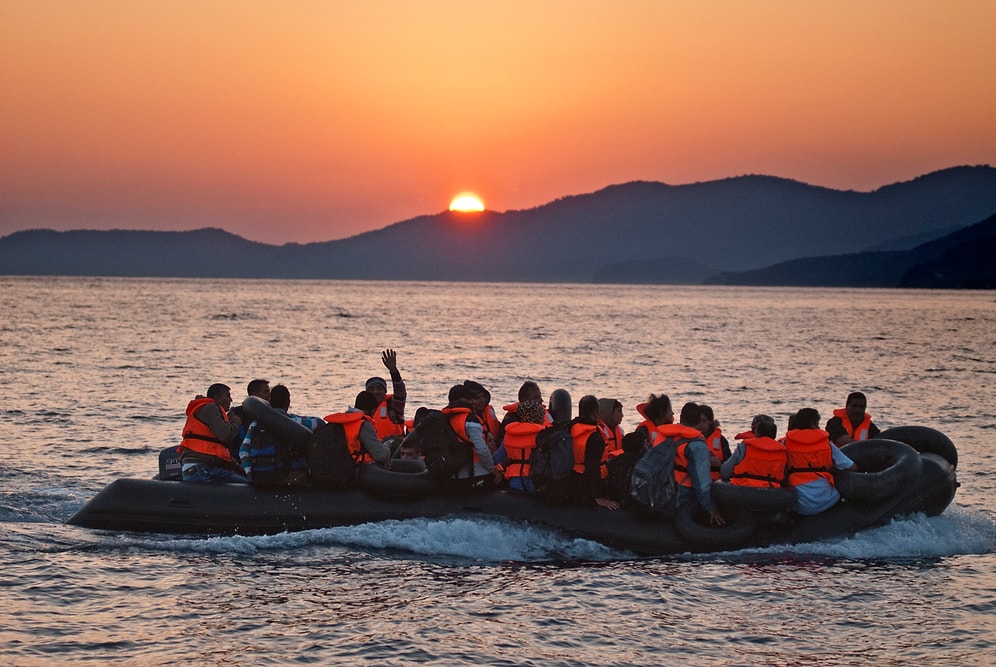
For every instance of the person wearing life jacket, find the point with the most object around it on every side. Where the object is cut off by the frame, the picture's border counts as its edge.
(484, 475)
(656, 410)
(279, 399)
(811, 460)
(208, 435)
(852, 423)
(719, 446)
(759, 460)
(610, 414)
(361, 436)
(529, 391)
(520, 441)
(691, 461)
(389, 415)
(587, 484)
(634, 446)
(490, 426)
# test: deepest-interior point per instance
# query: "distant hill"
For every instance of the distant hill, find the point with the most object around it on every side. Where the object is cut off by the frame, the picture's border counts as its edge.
(962, 260)
(634, 232)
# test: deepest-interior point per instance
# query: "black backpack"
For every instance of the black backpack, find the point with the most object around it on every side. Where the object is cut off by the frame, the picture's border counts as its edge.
(444, 453)
(271, 458)
(652, 485)
(330, 463)
(552, 460)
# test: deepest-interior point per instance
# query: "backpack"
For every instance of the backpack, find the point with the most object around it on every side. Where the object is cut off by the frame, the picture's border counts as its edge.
(444, 453)
(552, 460)
(330, 463)
(271, 459)
(652, 485)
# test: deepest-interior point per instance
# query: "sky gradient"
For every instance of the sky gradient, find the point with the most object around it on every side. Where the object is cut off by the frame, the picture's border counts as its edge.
(317, 120)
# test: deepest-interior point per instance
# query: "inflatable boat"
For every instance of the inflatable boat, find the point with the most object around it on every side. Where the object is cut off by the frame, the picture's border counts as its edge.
(905, 470)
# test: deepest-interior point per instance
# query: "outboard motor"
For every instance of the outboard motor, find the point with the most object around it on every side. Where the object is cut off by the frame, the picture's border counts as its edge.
(169, 464)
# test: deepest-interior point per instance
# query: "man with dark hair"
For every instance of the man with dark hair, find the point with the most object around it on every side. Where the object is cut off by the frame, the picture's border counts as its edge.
(590, 456)
(852, 423)
(259, 389)
(389, 413)
(483, 474)
(811, 461)
(279, 398)
(208, 438)
(758, 460)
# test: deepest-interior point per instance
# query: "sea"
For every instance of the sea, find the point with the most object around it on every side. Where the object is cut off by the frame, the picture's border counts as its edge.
(96, 373)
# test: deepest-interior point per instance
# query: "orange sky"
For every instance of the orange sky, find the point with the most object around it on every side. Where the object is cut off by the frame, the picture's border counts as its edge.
(314, 120)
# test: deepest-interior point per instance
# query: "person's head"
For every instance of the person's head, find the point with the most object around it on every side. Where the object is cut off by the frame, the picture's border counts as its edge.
(280, 397)
(588, 408)
(460, 396)
(766, 429)
(757, 420)
(259, 389)
(530, 391)
(707, 420)
(635, 442)
(220, 394)
(691, 414)
(366, 402)
(807, 418)
(378, 387)
(857, 404)
(481, 395)
(409, 450)
(610, 411)
(531, 412)
(658, 409)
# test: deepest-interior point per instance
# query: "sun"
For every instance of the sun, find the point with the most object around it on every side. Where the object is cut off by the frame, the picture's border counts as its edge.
(465, 202)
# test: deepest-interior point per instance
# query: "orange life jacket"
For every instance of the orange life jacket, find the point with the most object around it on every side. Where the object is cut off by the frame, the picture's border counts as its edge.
(458, 422)
(743, 435)
(714, 441)
(489, 422)
(520, 441)
(198, 437)
(613, 439)
(382, 420)
(763, 464)
(579, 436)
(859, 433)
(809, 456)
(351, 423)
(684, 435)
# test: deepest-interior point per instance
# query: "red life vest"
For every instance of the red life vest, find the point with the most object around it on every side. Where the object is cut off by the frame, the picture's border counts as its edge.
(351, 423)
(859, 433)
(684, 435)
(520, 441)
(714, 441)
(613, 439)
(489, 422)
(743, 435)
(458, 422)
(198, 437)
(809, 456)
(382, 421)
(579, 437)
(763, 464)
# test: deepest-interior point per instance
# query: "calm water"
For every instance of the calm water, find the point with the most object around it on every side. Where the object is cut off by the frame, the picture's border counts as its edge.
(97, 372)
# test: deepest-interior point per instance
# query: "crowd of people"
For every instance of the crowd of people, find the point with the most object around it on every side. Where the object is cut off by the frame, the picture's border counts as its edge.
(220, 443)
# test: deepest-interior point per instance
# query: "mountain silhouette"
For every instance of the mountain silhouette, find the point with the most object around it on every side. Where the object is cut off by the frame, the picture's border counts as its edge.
(633, 232)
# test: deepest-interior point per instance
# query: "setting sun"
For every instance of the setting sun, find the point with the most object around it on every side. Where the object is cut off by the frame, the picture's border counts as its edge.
(466, 201)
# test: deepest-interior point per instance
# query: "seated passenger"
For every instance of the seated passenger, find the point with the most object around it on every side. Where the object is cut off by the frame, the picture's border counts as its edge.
(852, 423)
(656, 411)
(259, 389)
(811, 458)
(758, 460)
(588, 480)
(253, 446)
(483, 474)
(719, 446)
(389, 415)
(634, 446)
(485, 414)
(208, 438)
(361, 436)
(519, 443)
(610, 415)
(691, 461)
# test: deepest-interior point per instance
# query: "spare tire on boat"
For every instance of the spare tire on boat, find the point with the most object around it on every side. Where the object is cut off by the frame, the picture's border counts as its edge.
(885, 467)
(406, 480)
(755, 498)
(925, 440)
(691, 522)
